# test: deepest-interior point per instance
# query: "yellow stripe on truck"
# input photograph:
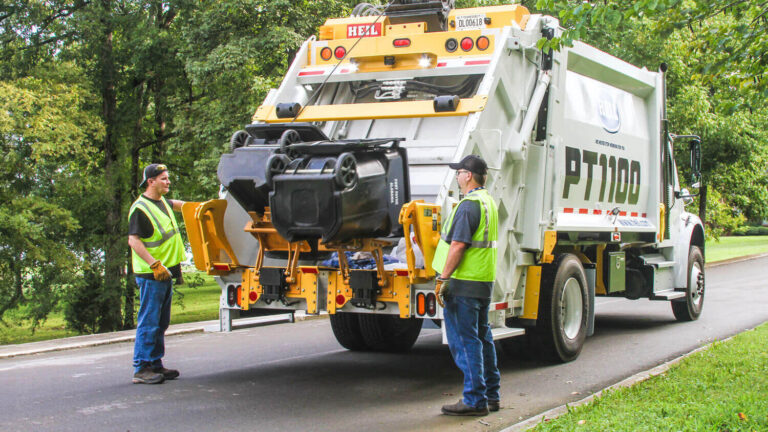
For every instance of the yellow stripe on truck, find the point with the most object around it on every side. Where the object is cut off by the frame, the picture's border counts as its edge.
(380, 110)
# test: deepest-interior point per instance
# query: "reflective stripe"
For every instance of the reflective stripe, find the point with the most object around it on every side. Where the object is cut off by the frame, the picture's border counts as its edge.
(474, 244)
(164, 235)
(483, 244)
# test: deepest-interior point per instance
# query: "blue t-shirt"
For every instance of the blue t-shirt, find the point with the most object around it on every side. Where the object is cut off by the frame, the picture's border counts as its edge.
(465, 223)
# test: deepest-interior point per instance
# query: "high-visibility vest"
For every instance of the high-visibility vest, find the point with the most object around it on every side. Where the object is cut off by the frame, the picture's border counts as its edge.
(165, 243)
(479, 260)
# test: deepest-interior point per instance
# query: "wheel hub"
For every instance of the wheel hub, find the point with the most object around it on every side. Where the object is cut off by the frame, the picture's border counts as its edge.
(571, 308)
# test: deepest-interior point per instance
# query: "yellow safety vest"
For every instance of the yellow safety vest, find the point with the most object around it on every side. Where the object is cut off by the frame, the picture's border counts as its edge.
(165, 243)
(479, 260)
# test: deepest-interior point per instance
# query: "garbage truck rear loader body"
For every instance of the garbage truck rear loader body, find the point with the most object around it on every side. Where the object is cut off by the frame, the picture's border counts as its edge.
(350, 155)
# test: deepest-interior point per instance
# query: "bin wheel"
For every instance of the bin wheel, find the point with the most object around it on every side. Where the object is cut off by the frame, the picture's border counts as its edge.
(346, 170)
(690, 308)
(561, 327)
(276, 165)
(289, 136)
(239, 139)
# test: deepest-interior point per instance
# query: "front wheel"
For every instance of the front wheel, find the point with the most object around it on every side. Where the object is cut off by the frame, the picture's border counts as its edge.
(561, 327)
(689, 309)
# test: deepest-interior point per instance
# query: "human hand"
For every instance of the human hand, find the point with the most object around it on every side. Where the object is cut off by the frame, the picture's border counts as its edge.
(161, 272)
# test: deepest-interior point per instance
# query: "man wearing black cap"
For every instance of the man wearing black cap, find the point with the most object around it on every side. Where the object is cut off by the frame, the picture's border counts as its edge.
(156, 253)
(465, 260)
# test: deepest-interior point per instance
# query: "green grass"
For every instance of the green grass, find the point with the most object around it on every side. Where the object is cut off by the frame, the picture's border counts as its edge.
(722, 388)
(194, 304)
(732, 247)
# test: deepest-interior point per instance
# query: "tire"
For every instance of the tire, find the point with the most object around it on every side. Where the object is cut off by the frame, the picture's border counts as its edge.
(346, 328)
(561, 327)
(690, 308)
(389, 333)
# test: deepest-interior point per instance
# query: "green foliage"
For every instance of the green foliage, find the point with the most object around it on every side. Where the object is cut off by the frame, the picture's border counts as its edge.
(43, 122)
(751, 231)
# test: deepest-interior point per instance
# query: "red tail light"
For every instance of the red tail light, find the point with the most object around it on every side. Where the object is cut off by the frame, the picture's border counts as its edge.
(431, 304)
(467, 44)
(340, 52)
(400, 43)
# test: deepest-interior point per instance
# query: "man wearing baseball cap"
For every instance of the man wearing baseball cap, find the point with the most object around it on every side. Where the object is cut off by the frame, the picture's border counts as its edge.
(156, 255)
(465, 260)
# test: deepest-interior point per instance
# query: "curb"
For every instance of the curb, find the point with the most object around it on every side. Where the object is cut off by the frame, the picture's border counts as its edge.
(86, 341)
(628, 382)
(735, 260)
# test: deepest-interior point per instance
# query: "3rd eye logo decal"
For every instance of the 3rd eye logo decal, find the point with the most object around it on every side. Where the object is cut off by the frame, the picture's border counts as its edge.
(608, 111)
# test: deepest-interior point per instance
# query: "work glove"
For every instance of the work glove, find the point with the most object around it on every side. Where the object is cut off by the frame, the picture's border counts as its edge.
(161, 272)
(441, 288)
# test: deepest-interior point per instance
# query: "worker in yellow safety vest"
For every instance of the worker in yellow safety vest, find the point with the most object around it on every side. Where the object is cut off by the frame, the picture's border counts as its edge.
(465, 260)
(156, 255)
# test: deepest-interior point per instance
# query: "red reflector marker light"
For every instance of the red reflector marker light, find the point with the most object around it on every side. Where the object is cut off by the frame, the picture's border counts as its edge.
(483, 43)
(400, 43)
(253, 296)
(431, 304)
(340, 299)
(340, 52)
(309, 270)
(421, 307)
(222, 267)
(467, 44)
(326, 53)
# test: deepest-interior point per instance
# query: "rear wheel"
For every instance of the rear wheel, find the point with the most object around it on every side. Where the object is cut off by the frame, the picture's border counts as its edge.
(346, 328)
(561, 327)
(690, 308)
(389, 332)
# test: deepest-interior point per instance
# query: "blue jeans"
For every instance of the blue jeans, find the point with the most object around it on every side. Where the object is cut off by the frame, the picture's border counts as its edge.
(154, 317)
(471, 344)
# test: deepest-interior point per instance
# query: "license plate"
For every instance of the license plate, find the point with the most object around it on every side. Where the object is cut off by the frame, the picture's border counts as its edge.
(470, 22)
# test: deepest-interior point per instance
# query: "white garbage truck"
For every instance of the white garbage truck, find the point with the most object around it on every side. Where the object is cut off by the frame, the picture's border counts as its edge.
(332, 199)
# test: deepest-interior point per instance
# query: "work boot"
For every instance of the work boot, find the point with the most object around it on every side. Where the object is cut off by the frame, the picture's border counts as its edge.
(493, 405)
(462, 409)
(147, 376)
(168, 374)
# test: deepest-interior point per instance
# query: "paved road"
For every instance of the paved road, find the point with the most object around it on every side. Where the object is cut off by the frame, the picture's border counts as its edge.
(295, 376)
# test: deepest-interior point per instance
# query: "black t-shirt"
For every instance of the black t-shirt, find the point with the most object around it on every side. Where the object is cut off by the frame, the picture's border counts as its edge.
(140, 225)
(465, 223)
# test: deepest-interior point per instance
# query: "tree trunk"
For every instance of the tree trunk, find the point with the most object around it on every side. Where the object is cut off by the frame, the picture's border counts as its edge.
(114, 239)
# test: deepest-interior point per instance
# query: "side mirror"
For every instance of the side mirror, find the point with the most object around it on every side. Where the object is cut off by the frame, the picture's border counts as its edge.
(685, 194)
(695, 148)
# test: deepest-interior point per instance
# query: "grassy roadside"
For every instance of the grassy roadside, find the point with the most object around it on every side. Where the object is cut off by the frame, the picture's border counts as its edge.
(200, 304)
(722, 388)
(732, 247)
